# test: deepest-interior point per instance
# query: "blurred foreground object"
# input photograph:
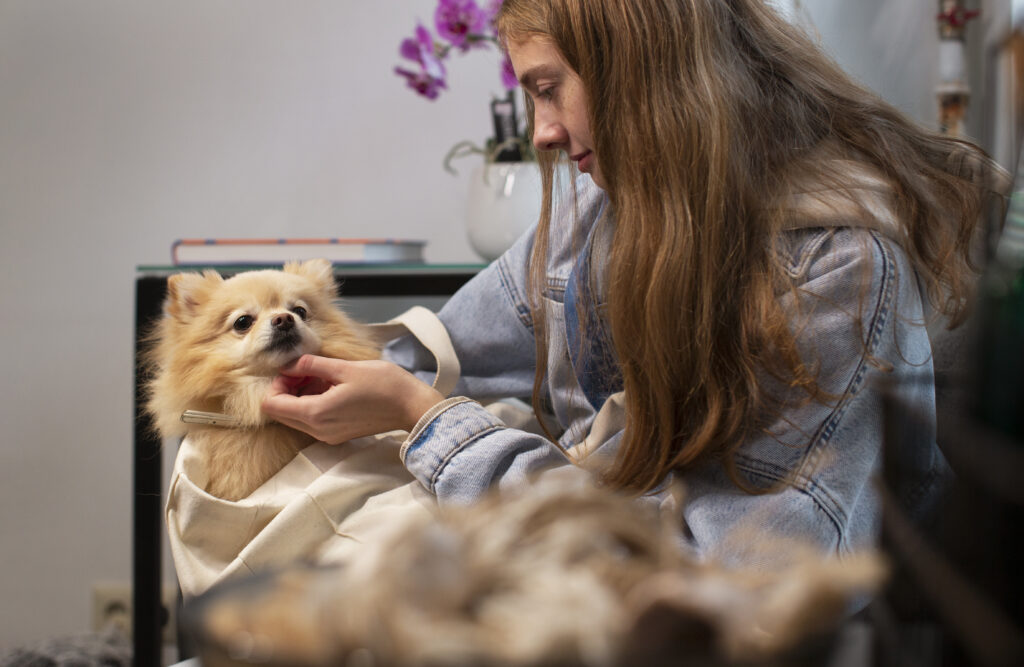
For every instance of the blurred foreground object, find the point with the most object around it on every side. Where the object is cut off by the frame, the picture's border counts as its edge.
(955, 597)
(562, 575)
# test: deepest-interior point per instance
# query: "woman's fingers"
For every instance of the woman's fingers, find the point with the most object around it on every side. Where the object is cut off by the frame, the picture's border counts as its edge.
(281, 404)
(310, 365)
(334, 400)
(300, 412)
(299, 385)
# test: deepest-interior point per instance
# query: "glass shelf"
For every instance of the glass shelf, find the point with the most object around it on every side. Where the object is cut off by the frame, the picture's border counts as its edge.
(168, 269)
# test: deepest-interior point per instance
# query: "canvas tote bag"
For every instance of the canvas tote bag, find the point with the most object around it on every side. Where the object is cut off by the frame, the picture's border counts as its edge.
(326, 506)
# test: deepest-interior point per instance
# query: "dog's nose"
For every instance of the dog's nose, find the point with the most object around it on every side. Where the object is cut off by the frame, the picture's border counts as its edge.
(283, 322)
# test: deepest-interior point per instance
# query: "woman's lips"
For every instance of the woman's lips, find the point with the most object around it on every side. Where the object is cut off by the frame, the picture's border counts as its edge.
(584, 161)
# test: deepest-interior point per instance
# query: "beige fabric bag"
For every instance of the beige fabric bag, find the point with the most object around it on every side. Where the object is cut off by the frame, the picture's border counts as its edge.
(321, 507)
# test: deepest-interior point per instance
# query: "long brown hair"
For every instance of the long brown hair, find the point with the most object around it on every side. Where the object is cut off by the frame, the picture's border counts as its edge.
(703, 114)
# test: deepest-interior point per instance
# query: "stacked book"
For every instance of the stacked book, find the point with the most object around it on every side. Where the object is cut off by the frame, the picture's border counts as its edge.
(262, 252)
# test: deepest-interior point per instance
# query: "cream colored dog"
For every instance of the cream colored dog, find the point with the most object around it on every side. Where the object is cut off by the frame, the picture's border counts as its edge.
(219, 346)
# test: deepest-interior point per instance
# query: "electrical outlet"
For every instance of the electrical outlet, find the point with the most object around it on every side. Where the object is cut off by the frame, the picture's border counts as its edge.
(112, 605)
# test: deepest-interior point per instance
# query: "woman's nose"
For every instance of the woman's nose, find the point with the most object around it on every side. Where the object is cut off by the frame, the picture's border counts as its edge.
(548, 134)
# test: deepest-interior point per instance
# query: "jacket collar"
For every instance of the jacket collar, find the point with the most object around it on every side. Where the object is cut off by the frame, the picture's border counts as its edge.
(843, 193)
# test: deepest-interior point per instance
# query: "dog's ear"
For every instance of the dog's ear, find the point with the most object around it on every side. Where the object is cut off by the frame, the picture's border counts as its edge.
(319, 271)
(187, 291)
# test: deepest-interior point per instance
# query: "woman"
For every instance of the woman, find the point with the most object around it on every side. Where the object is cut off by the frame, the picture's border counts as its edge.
(756, 250)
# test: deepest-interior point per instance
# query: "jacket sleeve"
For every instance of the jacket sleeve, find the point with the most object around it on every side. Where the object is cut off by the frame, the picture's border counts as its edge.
(459, 449)
(489, 323)
(814, 467)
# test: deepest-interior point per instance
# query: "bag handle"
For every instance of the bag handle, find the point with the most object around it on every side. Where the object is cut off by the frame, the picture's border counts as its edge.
(430, 331)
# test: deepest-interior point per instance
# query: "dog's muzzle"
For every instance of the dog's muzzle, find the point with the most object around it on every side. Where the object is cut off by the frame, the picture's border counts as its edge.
(284, 335)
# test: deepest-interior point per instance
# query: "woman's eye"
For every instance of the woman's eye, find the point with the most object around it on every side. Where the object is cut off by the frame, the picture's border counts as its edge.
(244, 323)
(301, 312)
(546, 94)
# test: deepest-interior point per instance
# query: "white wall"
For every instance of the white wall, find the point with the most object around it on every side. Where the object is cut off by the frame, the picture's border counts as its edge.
(891, 47)
(888, 46)
(127, 124)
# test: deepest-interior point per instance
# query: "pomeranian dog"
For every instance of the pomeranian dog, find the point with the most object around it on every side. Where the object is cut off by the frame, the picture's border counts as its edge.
(219, 346)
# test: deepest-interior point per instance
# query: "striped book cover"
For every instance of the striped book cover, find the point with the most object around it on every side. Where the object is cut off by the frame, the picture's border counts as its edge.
(260, 252)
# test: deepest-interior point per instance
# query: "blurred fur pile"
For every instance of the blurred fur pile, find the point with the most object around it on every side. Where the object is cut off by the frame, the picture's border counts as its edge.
(562, 574)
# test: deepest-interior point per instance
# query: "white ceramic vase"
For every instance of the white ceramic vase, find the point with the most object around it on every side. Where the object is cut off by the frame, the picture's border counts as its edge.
(504, 200)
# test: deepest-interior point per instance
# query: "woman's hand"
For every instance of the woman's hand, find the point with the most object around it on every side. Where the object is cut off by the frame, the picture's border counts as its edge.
(335, 400)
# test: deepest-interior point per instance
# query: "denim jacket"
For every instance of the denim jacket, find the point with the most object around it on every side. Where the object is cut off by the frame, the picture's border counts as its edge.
(820, 460)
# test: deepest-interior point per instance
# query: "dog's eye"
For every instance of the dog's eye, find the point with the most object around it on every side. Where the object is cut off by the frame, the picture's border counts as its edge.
(301, 312)
(244, 323)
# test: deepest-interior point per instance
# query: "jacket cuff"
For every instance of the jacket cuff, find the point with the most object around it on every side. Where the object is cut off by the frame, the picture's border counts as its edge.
(441, 432)
(428, 417)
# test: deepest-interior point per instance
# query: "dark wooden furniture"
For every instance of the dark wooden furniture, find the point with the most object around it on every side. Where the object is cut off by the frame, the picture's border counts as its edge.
(371, 293)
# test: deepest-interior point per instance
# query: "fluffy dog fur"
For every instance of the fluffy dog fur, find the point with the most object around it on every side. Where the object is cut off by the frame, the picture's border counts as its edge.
(559, 574)
(219, 346)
